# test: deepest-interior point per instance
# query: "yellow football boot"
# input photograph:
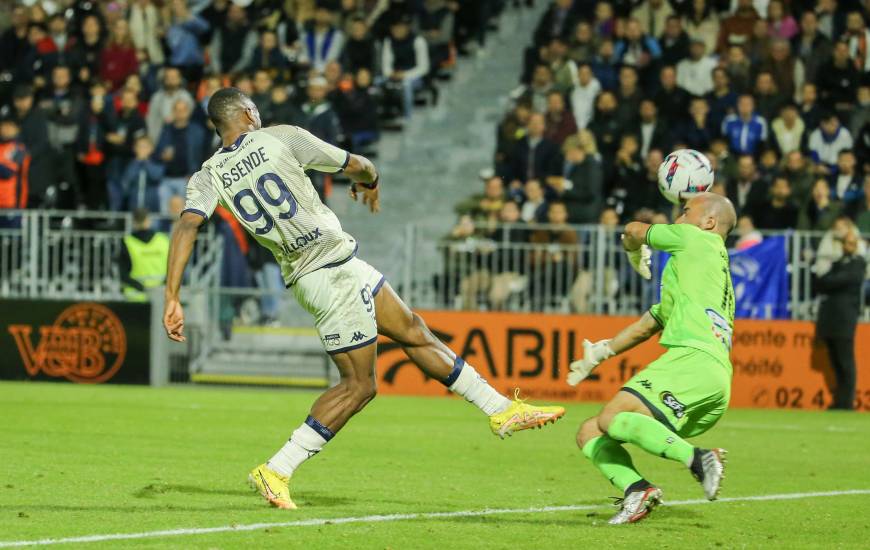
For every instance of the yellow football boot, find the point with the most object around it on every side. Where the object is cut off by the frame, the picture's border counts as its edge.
(522, 416)
(273, 486)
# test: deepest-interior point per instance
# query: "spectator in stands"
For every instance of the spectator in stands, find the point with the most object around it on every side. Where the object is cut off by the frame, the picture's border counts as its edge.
(768, 100)
(181, 150)
(821, 211)
(14, 43)
(282, 110)
(809, 110)
(586, 88)
(129, 125)
(780, 211)
(838, 80)
(535, 93)
(786, 70)
(737, 29)
(748, 235)
(562, 66)
(321, 42)
(510, 131)
(604, 65)
(830, 249)
(788, 132)
(95, 123)
(697, 132)
(780, 22)
(811, 46)
(800, 175)
(862, 210)
(839, 311)
(141, 179)
(695, 74)
(606, 127)
(268, 55)
(358, 111)
(826, 142)
(436, 25)
(558, 21)
(320, 117)
(85, 53)
(559, 121)
(846, 184)
(14, 167)
(628, 97)
(162, 105)
(674, 41)
(746, 131)
(118, 60)
(63, 106)
(535, 157)
(638, 50)
(405, 60)
(671, 100)
(534, 207)
(604, 22)
(359, 49)
(33, 126)
(861, 113)
(583, 188)
(653, 16)
(263, 85)
(582, 48)
(643, 192)
(142, 260)
(739, 69)
(554, 268)
(701, 23)
(233, 42)
(626, 172)
(183, 40)
(146, 28)
(747, 191)
(650, 131)
(759, 44)
(858, 39)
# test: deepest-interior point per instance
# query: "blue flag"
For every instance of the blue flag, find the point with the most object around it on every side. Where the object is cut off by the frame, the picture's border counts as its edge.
(760, 277)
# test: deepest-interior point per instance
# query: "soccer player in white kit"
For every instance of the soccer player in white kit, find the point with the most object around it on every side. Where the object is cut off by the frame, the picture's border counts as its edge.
(259, 176)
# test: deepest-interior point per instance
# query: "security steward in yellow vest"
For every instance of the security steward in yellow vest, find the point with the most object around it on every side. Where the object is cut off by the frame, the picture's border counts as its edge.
(143, 258)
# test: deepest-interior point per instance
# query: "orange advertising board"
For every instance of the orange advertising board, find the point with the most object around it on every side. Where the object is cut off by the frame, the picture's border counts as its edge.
(776, 363)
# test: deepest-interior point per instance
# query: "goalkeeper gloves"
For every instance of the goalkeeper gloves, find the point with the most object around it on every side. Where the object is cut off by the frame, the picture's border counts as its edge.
(593, 354)
(640, 260)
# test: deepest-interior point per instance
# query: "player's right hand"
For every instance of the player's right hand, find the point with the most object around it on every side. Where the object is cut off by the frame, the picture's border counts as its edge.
(640, 260)
(593, 354)
(370, 197)
(173, 320)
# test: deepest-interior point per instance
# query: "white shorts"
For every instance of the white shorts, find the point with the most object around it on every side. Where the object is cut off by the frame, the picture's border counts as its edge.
(342, 301)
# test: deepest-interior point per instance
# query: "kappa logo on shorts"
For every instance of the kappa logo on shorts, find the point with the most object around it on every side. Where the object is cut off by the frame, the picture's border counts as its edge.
(357, 336)
(331, 340)
(672, 403)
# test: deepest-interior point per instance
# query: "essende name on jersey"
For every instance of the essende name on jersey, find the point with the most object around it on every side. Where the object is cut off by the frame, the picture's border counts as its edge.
(244, 167)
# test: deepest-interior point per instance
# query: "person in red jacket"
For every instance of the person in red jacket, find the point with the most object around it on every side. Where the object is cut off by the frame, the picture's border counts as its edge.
(118, 59)
(14, 166)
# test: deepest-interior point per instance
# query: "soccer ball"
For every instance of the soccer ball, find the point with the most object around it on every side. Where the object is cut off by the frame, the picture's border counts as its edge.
(683, 174)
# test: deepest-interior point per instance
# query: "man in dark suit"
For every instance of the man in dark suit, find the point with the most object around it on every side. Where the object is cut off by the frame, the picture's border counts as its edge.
(839, 310)
(535, 157)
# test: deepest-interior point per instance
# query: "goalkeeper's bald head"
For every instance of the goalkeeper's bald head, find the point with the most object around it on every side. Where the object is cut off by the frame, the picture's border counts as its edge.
(717, 209)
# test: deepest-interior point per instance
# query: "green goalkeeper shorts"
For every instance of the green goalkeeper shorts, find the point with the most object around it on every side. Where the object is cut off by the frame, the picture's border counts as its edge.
(686, 389)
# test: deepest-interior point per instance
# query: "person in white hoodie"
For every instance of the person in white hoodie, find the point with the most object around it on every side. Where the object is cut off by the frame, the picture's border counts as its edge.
(583, 93)
(695, 74)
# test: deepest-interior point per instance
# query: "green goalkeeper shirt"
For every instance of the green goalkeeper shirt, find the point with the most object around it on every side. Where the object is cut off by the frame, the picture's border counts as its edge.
(697, 298)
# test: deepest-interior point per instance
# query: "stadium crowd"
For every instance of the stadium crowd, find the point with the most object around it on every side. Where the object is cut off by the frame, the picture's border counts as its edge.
(775, 93)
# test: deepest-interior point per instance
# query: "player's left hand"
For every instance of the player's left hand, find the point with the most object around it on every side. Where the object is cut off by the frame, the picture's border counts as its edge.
(640, 260)
(593, 354)
(173, 320)
(370, 197)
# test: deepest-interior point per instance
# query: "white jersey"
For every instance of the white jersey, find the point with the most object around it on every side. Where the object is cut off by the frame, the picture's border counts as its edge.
(261, 179)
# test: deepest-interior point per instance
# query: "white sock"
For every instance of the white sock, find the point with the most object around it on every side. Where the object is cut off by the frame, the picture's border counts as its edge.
(304, 443)
(472, 386)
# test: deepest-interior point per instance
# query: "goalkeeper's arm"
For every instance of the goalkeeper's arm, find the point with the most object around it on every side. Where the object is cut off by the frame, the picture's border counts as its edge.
(594, 353)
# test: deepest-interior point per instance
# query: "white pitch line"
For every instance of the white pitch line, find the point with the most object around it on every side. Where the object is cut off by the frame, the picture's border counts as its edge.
(401, 517)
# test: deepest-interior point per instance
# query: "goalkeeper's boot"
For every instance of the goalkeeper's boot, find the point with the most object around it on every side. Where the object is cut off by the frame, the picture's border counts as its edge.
(273, 486)
(636, 505)
(522, 416)
(708, 467)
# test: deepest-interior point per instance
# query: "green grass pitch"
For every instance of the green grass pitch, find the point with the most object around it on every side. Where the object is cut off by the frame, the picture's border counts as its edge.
(97, 460)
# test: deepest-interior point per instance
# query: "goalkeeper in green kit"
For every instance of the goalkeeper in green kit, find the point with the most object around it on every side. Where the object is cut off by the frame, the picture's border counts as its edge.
(684, 392)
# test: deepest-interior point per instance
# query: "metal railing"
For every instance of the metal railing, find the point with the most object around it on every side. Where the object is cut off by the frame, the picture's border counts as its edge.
(545, 268)
(74, 254)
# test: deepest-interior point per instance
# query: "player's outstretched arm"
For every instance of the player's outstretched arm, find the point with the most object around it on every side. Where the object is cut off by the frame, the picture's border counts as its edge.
(594, 353)
(365, 180)
(183, 238)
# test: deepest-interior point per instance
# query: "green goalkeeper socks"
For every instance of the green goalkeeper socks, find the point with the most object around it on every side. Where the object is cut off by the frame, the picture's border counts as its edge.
(650, 435)
(612, 460)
